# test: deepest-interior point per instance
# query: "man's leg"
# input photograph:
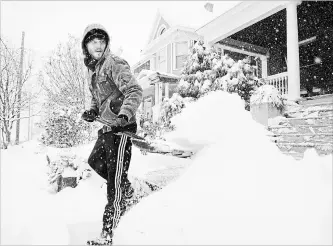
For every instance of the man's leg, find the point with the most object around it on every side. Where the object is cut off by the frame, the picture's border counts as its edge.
(119, 189)
(97, 158)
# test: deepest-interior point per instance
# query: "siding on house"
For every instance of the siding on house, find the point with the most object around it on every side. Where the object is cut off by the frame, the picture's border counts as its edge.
(169, 58)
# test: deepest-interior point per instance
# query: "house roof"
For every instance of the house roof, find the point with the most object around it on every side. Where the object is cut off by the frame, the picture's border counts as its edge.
(188, 14)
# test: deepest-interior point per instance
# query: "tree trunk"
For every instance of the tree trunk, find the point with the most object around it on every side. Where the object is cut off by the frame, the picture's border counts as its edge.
(8, 135)
(4, 138)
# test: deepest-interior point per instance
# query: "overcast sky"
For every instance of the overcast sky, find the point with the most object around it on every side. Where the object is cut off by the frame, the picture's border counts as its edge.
(47, 23)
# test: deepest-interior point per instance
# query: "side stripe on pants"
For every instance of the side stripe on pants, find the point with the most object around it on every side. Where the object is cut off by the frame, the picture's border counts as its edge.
(117, 184)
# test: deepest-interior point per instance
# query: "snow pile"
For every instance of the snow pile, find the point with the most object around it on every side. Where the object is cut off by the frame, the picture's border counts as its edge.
(30, 215)
(25, 204)
(239, 189)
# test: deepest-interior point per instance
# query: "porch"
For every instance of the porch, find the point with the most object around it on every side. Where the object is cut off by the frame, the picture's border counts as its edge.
(156, 87)
(290, 41)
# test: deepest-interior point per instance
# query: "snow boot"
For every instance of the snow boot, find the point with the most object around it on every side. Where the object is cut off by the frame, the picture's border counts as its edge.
(104, 239)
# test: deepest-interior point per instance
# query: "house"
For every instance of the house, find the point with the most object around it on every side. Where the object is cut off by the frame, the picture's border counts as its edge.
(172, 34)
(292, 39)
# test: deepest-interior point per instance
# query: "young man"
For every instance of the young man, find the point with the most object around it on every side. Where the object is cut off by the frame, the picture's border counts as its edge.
(116, 96)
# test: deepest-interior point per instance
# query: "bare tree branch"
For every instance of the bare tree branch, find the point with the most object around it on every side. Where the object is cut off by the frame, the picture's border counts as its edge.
(22, 117)
(10, 88)
(64, 78)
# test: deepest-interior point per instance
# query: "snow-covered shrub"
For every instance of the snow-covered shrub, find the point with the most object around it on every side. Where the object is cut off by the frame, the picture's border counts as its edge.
(170, 107)
(63, 127)
(208, 70)
(65, 171)
(64, 80)
(268, 94)
(153, 130)
(242, 80)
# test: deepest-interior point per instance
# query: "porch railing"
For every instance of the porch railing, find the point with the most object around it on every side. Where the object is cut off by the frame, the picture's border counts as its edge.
(279, 81)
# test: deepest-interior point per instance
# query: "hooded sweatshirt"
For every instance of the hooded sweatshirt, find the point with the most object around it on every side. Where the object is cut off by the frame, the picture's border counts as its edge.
(114, 89)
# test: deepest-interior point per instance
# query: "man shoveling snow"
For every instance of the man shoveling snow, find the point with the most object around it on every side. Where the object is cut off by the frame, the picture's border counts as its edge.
(116, 96)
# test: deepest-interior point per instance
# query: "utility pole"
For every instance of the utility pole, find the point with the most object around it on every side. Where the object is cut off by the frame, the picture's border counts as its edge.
(17, 140)
(29, 118)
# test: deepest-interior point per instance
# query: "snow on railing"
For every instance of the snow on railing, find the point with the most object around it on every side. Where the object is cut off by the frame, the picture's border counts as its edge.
(279, 81)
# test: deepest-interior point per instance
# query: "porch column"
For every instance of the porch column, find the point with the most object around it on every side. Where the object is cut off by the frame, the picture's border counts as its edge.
(156, 93)
(166, 90)
(264, 71)
(160, 92)
(208, 45)
(293, 52)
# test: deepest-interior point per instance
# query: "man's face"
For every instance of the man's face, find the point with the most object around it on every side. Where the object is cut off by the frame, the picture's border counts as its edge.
(96, 48)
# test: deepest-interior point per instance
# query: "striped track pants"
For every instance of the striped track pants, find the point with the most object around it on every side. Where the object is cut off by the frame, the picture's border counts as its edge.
(111, 158)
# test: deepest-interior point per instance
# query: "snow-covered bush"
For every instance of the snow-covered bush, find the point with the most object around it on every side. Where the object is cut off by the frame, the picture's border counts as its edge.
(63, 127)
(170, 107)
(208, 70)
(64, 81)
(268, 94)
(153, 130)
(65, 171)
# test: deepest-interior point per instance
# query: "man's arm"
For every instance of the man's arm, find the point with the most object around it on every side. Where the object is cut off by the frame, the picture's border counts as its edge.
(128, 86)
(93, 103)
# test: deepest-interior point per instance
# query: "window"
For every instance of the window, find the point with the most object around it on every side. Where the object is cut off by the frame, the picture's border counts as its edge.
(161, 60)
(162, 31)
(181, 52)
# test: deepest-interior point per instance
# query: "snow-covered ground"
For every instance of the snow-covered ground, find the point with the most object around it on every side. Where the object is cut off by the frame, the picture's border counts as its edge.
(237, 189)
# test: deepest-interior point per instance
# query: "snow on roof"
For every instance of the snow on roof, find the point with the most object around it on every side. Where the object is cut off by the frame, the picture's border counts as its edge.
(145, 77)
(145, 73)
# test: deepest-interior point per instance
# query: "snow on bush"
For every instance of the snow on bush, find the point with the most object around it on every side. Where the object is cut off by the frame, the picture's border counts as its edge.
(169, 108)
(267, 94)
(172, 106)
(65, 128)
(239, 190)
(208, 70)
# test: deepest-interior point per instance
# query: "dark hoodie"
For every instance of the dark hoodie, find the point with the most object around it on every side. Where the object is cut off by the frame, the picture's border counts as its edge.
(114, 89)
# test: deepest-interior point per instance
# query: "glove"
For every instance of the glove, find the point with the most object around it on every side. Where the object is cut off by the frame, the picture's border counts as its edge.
(89, 115)
(122, 120)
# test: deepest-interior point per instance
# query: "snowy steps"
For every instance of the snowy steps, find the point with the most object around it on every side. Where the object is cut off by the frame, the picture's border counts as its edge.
(308, 125)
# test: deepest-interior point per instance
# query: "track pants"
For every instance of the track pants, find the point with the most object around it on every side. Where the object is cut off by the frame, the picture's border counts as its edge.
(110, 158)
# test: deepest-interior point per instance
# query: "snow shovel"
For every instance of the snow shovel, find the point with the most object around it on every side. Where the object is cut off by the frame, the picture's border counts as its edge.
(150, 146)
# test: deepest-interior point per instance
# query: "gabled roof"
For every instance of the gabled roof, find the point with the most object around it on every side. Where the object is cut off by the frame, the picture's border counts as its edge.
(188, 14)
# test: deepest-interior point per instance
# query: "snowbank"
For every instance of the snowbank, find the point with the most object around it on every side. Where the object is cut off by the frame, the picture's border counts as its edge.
(31, 215)
(239, 189)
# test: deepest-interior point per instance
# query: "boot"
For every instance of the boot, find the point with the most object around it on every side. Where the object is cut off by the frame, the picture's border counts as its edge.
(103, 239)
